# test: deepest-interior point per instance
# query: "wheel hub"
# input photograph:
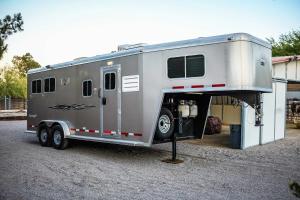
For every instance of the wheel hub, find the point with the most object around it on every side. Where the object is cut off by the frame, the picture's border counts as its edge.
(44, 135)
(164, 124)
(57, 137)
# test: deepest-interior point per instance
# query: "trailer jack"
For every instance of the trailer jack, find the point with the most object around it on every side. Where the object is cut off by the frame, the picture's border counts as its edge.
(174, 160)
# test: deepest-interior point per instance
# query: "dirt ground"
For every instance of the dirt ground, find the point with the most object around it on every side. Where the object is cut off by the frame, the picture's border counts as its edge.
(103, 171)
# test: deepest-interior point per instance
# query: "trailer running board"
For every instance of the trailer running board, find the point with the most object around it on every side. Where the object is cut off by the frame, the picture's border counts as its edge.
(30, 132)
(106, 140)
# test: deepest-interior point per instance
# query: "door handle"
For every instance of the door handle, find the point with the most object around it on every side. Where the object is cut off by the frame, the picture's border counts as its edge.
(103, 100)
(99, 92)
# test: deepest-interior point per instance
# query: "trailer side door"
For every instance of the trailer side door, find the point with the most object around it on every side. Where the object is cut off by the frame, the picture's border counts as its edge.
(110, 101)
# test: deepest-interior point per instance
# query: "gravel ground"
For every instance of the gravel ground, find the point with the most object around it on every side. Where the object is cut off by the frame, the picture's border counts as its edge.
(104, 171)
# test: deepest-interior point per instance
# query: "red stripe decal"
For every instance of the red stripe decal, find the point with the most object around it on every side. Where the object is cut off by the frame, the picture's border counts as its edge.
(218, 85)
(124, 133)
(73, 129)
(178, 87)
(107, 132)
(92, 131)
(197, 86)
(137, 134)
(81, 130)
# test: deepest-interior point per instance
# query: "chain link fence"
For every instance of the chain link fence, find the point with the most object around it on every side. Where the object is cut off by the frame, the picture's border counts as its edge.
(9, 103)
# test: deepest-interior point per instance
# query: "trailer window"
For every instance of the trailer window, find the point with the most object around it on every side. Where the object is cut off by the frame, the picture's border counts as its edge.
(36, 86)
(186, 66)
(87, 88)
(176, 67)
(49, 85)
(195, 66)
(110, 81)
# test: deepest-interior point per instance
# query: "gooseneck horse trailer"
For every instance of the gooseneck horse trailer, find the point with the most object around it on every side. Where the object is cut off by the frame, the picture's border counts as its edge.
(143, 94)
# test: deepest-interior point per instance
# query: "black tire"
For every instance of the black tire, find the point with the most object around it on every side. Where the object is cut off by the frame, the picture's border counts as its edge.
(165, 125)
(58, 140)
(44, 135)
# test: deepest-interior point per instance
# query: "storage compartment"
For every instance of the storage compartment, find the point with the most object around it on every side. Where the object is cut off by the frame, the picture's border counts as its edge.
(235, 136)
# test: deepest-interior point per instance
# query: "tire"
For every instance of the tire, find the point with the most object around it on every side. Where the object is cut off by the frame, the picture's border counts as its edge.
(44, 135)
(58, 140)
(165, 125)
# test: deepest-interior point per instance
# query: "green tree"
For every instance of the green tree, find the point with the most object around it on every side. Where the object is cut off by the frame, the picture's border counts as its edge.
(13, 81)
(287, 45)
(8, 26)
(13, 84)
(24, 63)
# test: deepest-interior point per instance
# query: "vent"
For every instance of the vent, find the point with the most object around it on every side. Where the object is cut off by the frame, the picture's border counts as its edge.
(125, 47)
(79, 58)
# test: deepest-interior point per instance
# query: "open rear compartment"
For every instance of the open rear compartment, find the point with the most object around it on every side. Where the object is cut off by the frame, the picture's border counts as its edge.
(230, 119)
(224, 123)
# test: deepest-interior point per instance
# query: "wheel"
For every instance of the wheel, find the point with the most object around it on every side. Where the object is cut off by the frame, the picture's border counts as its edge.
(165, 124)
(58, 140)
(44, 135)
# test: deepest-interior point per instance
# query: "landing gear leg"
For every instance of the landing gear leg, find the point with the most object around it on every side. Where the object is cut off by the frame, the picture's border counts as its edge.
(174, 160)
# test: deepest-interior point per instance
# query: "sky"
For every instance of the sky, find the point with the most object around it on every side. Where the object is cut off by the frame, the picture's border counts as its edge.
(61, 30)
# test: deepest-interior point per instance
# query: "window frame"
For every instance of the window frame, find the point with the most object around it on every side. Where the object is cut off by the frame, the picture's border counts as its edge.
(36, 86)
(110, 72)
(49, 84)
(86, 80)
(194, 77)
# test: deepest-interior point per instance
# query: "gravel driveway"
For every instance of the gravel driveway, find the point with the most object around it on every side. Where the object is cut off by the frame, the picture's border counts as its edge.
(104, 171)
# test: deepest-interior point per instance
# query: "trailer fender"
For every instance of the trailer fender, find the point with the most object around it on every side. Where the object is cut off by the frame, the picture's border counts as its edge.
(65, 125)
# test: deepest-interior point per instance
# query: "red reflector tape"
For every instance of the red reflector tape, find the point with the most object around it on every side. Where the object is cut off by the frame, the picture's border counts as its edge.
(218, 85)
(84, 130)
(178, 87)
(137, 134)
(130, 134)
(107, 132)
(197, 86)
(124, 133)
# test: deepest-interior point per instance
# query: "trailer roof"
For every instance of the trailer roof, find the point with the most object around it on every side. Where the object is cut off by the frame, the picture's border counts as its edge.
(158, 47)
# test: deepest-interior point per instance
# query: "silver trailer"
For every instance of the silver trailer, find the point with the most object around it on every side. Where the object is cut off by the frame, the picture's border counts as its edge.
(144, 94)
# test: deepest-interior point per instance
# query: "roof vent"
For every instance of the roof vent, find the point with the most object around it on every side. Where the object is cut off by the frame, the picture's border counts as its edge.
(124, 47)
(79, 58)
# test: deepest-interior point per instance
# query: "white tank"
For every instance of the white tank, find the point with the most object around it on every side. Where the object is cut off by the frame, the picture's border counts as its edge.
(184, 108)
(193, 109)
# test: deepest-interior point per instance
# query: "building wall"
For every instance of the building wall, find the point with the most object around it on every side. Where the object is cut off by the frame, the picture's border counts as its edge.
(287, 70)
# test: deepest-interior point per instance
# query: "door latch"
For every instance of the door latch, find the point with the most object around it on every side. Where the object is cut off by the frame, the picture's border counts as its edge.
(99, 92)
(103, 100)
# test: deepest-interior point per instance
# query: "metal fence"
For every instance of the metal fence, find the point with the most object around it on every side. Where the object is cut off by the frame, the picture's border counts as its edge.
(9, 103)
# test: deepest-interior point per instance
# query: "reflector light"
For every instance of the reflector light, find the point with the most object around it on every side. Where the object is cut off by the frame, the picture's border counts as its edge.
(178, 87)
(218, 85)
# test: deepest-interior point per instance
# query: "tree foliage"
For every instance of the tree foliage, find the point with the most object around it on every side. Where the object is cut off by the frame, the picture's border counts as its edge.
(13, 80)
(287, 45)
(24, 63)
(13, 84)
(8, 26)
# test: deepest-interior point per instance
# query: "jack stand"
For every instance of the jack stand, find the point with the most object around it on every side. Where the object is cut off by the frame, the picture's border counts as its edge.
(174, 160)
